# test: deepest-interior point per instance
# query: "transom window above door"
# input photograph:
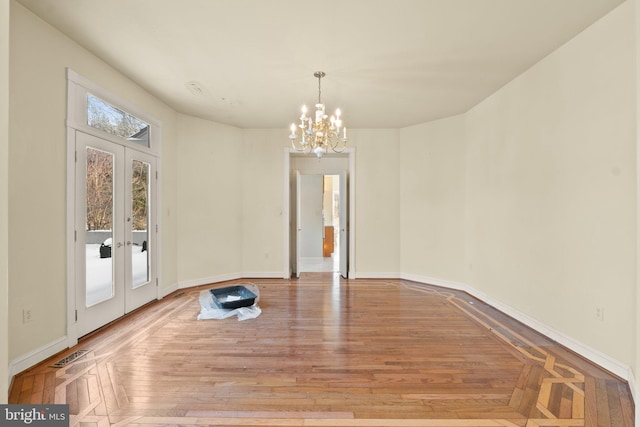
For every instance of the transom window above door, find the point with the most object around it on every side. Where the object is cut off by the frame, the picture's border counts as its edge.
(96, 111)
(107, 118)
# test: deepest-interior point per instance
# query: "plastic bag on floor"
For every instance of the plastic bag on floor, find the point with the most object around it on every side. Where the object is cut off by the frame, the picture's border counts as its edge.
(209, 309)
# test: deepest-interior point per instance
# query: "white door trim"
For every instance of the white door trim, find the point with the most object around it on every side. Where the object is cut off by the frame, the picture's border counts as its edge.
(351, 154)
(298, 227)
(344, 223)
(77, 87)
(136, 296)
(126, 297)
(101, 312)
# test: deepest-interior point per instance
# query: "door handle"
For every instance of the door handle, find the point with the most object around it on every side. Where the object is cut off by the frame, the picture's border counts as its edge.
(118, 245)
(129, 243)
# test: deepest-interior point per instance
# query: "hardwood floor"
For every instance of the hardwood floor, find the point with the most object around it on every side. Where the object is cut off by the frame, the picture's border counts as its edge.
(328, 352)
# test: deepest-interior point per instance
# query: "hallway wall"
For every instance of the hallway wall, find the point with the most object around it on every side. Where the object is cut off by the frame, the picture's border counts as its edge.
(311, 216)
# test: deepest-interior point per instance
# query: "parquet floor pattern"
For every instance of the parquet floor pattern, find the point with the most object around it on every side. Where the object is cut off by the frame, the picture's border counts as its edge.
(328, 352)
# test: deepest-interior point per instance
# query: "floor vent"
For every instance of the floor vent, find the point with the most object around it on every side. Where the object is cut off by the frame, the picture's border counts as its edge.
(70, 358)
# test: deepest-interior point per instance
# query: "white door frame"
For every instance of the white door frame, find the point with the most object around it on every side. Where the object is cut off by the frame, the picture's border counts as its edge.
(298, 227)
(351, 210)
(344, 222)
(126, 297)
(139, 294)
(77, 89)
(109, 309)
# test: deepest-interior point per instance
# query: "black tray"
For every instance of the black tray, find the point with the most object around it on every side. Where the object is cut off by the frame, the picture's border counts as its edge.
(240, 297)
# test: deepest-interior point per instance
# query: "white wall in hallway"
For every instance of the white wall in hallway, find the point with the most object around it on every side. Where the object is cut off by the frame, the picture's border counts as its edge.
(311, 216)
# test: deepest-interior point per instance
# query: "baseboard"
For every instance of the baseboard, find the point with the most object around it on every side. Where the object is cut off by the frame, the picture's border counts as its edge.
(633, 386)
(377, 275)
(168, 290)
(36, 356)
(606, 362)
(610, 364)
(440, 282)
(207, 280)
(231, 276)
(262, 275)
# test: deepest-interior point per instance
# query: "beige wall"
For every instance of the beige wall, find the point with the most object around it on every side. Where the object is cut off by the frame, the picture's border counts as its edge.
(432, 199)
(4, 222)
(246, 170)
(262, 177)
(209, 196)
(377, 201)
(551, 189)
(547, 169)
(39, 57)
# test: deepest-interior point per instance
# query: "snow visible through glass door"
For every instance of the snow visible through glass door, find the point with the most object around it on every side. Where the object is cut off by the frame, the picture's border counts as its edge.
(140, 172)
(99, 226)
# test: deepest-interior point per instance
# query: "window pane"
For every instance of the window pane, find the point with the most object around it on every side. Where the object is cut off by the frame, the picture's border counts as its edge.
(99, 227)
(140, 223)
(108, 118)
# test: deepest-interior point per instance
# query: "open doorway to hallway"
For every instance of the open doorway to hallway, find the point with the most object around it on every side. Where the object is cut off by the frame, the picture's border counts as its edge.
(299, 168)
(320, 219)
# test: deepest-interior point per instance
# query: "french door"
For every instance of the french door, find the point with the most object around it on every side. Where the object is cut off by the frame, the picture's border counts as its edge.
(115, 231)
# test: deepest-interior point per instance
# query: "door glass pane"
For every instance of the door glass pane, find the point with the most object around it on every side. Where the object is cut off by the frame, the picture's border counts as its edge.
(99, 227)
(140, 223)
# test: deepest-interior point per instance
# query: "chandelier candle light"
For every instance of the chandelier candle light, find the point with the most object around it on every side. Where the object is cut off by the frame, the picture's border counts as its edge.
(320, 134)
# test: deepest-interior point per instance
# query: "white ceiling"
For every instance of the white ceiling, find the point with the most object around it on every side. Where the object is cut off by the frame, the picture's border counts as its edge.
(389, 63)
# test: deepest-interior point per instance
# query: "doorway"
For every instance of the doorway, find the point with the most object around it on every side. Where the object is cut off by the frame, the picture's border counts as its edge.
(115, 250)
(319, 236)
(297, 165)
(112, 226)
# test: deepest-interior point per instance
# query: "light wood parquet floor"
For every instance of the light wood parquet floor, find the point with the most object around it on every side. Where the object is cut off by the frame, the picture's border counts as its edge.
(328, 352)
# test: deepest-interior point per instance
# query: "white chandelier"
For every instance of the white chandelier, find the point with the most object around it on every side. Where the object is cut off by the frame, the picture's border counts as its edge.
(320, 134)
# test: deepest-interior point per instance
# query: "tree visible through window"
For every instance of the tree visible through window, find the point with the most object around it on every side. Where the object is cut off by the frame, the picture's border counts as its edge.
(99, 190)
(110, 119)
(139, 190)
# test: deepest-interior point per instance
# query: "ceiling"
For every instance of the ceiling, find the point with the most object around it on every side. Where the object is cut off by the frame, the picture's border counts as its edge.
(389, 63)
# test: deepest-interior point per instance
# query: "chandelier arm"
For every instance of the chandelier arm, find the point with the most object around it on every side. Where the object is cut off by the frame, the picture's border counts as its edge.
(336, 144)
(293, 145)
(335, 150)
(306, 149)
